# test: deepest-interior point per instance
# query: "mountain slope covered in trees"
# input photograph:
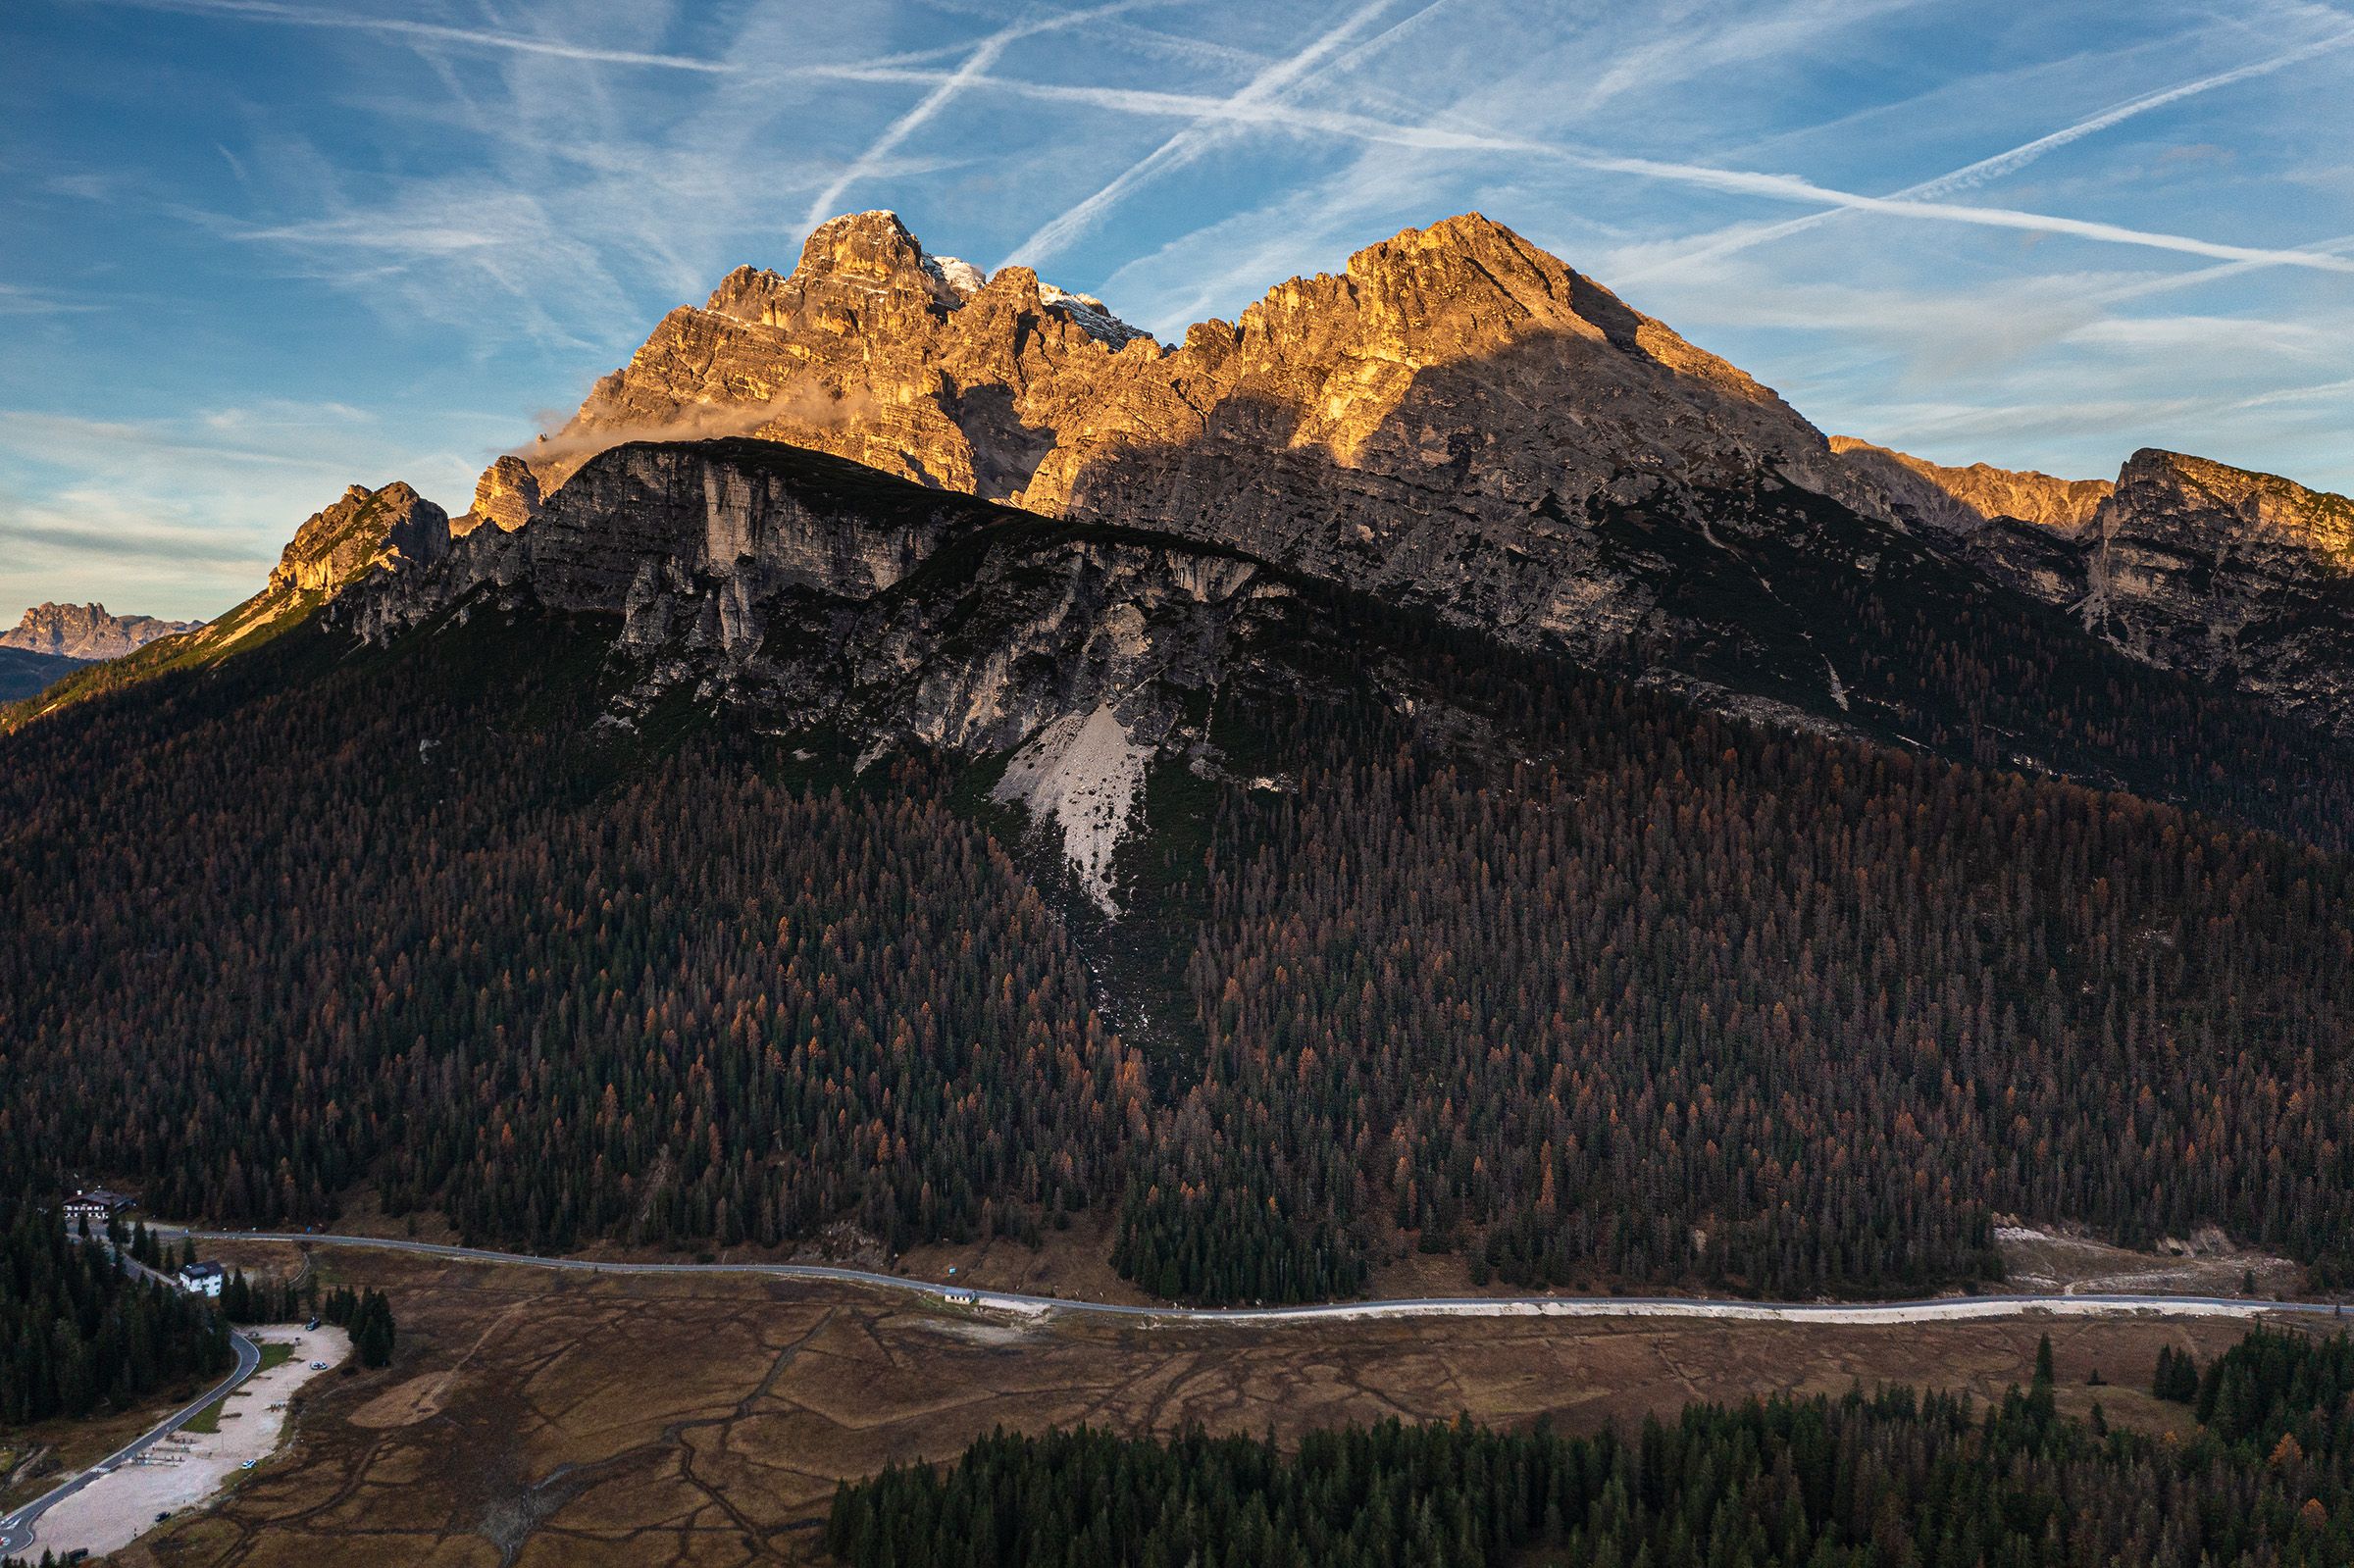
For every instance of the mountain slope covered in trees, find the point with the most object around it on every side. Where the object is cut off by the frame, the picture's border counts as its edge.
(1426, 942)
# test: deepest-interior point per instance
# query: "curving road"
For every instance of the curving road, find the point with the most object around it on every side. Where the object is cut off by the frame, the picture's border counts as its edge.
(1934, 1309)
(17, 1529)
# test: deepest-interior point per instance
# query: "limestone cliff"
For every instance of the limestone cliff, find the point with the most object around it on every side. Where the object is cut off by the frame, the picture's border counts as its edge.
(507, 496)
(2243, 580)
(86, 632)
(809, 591)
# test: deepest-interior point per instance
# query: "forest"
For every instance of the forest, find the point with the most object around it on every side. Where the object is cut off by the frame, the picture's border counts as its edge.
(1866, 1480)
(1554, 971)
(1683, 1001)
(80, 1333)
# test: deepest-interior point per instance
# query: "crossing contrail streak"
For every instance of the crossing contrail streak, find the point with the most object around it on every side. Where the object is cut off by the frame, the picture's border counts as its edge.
(1970, 175)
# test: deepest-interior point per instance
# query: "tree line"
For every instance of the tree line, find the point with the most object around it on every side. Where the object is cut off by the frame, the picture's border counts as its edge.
(80, 1334)
(1894, 1478)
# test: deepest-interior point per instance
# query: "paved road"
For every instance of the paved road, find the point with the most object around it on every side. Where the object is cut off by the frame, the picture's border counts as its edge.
(16, 1530)
(1914, 1311)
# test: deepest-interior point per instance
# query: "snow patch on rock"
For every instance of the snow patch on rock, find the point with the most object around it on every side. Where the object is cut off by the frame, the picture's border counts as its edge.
(1090, 316)
(960, 279)
(1083, 772)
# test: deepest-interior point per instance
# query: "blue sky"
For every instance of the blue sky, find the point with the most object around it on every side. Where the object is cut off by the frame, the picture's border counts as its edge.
(254, 250)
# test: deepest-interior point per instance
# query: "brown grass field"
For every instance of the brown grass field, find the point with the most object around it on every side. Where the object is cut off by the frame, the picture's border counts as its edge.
(537, 1419)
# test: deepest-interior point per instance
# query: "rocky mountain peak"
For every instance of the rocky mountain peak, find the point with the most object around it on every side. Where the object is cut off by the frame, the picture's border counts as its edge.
(870, 349)
(959, 277)
(870, 247)
(88, 631)
(2235, 504)
(391, 527)
(2245, 579)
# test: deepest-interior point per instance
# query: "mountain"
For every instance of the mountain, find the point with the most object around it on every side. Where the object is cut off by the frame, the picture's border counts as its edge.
(2243, 580)
(1440, 765)
(1456, 420)
(1457, 423)
(871, 350)
(364, 530)
(1448, 420)
(365, 534)
(88, 631)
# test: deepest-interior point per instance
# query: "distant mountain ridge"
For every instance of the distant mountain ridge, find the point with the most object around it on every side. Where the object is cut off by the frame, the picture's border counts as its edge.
(1961, 499)
(88, 631)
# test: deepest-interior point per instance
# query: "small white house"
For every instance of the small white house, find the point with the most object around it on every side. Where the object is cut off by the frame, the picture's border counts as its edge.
(201, 1279)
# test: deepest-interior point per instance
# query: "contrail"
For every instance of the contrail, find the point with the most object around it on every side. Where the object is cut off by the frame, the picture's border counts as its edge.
(973, 70)
(1970, 175)
(1737, 182)
(2295, 394)
(2208, 274)
(435, 32)
(1197, 138)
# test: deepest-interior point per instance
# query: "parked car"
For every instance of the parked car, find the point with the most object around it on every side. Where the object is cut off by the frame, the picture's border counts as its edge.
(311, 1327)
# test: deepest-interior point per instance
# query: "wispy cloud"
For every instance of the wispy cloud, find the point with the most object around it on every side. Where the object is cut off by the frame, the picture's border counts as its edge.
(984, 55)
(1434, 137)
(1190, 143)
(427, 32)
(2010, 161)
(15, 301)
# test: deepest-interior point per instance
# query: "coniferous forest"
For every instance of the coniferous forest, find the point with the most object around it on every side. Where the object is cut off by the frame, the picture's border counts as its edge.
(80, 1334)
(1891, 1478)
(1603, 988)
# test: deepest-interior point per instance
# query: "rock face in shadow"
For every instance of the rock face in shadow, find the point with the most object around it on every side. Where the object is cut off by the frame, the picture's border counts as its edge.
(767, 573)
(367, 530)
(673, 535)
(2245, 579)
(86, 632)
(2240, 579)
(815, 594)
